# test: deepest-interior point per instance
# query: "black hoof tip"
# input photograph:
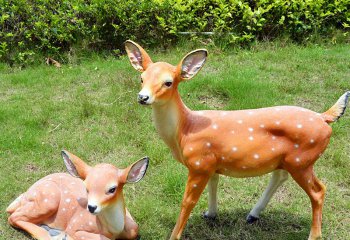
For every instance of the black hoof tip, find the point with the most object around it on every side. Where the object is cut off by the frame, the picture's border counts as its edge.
(207, 217)
(251, 219)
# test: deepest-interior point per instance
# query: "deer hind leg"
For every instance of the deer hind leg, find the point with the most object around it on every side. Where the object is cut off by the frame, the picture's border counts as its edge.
(316, 190)
(278, 177)
(212, 198)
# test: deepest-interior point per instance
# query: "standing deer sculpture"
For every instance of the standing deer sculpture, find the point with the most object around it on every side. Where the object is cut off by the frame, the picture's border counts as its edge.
(88, 204)
(244, 143)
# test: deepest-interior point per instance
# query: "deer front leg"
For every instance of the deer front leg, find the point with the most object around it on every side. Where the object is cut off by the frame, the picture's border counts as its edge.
(212, 197)
(278, 177)
(195, 185)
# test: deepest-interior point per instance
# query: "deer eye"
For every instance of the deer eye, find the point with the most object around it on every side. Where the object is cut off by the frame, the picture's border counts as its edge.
(141, 80)
(168, 83)
(112, 190)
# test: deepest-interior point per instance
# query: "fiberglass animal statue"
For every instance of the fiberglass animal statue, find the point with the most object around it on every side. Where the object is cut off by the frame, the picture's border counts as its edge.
(282, 140)
(87, 204)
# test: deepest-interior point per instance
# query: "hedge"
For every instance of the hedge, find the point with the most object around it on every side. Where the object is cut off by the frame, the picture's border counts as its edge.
(51, 27)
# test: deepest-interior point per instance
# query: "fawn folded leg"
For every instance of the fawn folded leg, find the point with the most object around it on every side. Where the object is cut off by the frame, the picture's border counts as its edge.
(194, 188)
(34, 230)
(89, 236)
(278, 177)
(212, 198)
(316, 190)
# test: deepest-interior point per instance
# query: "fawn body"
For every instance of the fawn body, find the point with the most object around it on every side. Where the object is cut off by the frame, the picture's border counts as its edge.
(245, 143)
(58, 206)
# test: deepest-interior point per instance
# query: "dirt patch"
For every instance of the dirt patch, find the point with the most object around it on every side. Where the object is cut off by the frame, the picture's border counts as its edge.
(31, 168)
(215, 102)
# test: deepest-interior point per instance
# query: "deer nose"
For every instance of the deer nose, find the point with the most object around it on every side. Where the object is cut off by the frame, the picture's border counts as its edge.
(92, 208)
(142, 98)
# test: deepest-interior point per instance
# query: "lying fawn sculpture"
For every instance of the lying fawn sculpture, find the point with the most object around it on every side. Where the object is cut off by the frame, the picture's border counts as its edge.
(246, 143)
(60, 206)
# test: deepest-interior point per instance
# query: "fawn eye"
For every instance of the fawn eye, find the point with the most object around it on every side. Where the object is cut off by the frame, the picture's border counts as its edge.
(141, 80)
(168, 84)
(112, 190)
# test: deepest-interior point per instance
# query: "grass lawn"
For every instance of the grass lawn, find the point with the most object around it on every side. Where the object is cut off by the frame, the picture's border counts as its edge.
(90, 109)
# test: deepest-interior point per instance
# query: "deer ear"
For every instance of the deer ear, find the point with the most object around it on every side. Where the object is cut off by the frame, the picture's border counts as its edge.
(137, 171)
(75, 166)
(138, 57)
(192, 63)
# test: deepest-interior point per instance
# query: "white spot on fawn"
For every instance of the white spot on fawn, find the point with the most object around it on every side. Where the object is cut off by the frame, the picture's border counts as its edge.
(297, 159)
(90, 223)
(67, 200)
(222, 158)
(233, 132)
(191, 149)
(65, 191)
(63, 209)
(262, 125)
(296, 145)
(250, 113)
(244, 167)
(46, 200)
(208, 144)
(278, 122)
(311, 119)
(273, 149)
(240, 121)
(223, 113)
(251, 138)
(194, 185)
(256, 156)
(250, 129)
(234, 149)
(197, 163)
(215, 126)
(278, 109)
(273, 137)
(299, 125)
(312, 141)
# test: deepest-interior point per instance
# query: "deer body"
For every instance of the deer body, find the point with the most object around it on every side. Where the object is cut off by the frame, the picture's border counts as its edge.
(58, 204)
(245, 143)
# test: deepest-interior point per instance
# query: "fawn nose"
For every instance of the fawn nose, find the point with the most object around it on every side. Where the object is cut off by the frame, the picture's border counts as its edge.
(142, 98)
(92, 208)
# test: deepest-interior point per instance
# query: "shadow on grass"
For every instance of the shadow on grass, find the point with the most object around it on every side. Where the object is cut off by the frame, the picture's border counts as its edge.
(232, 225)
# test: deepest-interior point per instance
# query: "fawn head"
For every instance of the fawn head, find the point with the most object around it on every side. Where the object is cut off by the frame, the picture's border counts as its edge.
(160, 80)
(104, 182)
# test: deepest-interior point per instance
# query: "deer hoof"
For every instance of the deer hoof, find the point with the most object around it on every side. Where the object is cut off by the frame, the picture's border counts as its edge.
(251, 219)
(207, 216)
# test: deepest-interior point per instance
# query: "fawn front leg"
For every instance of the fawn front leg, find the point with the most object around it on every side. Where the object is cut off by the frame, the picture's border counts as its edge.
(212, 197)
(195, 185)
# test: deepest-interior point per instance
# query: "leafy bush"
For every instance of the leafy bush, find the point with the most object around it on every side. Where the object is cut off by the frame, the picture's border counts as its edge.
(52, 27)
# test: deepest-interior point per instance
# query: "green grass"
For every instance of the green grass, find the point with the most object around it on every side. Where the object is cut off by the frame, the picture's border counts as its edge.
(90, 109)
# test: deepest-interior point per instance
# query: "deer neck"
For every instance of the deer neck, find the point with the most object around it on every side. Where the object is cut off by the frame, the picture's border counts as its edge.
(170, 119)
(113, 217)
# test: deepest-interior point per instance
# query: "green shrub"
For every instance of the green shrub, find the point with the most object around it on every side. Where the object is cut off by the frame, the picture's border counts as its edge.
(28, 28)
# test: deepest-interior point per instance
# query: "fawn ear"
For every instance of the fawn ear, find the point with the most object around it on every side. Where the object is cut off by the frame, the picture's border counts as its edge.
(136, 171)
(192, 63)
(138, 57)
(75, 166)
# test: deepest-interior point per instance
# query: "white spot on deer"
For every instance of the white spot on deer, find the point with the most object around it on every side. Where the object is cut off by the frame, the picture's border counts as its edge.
(65, 191)
(197, 163)
(309, 181)
(312, 140)
(273, 149)
(82, 237)
(240, 121)
(81, 215)
(74, 220)
(200, 112)
(299, 125)
(296, 145)
(215, 126)
(297, 159)
(68, 200)
(90, 223)
(234, 149)
(273, 137)
(233, 132)
(208, 144)
(222, 158)
(256, 156)
(194, 185)
(34, 194)
(250, 113)
(278, 109)
(244, 167)
(46, 200)
(63, 209)
(72, 183)
(278, 122)
(251, 138)
(318, 114)
(191, 149)
(311, 119)
(262, 125)
(223, 113)
(46, 185)
(250, 129)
